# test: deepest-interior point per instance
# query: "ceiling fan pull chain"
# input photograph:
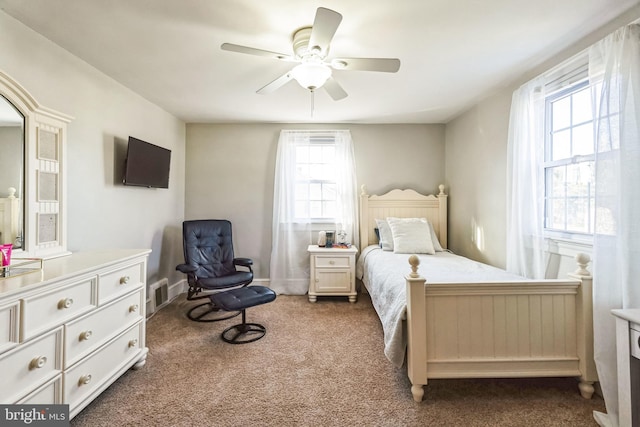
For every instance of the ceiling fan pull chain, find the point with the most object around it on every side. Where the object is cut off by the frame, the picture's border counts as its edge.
(312, 101)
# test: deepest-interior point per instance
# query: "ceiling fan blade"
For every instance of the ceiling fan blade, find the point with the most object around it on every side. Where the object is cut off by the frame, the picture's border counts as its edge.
(386, 65)
(259, 52)
(276, 84)
(334, 89)
(324, 27)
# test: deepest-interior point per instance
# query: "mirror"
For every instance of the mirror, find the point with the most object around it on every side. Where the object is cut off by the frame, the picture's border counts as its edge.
(11, 174)
(33, 217)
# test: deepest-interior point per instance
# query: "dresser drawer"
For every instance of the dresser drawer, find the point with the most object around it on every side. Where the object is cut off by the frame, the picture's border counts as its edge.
(9, 326)
(120, 281)
(333, 261)
(30, 365)
(50, 309)
(97, 370)
(50, 392)
(86, 333)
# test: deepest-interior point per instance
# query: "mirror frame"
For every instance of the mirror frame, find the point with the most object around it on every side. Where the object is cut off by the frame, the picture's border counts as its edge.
(44, 209)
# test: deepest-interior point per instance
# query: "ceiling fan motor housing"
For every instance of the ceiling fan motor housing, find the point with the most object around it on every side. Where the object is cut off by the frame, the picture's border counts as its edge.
(301, 47)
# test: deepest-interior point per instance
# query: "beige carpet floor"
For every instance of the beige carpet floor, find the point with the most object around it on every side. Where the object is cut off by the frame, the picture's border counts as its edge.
(320, 364)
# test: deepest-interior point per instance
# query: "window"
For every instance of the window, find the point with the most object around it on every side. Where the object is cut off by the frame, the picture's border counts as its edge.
(569, 172)
(316, 187)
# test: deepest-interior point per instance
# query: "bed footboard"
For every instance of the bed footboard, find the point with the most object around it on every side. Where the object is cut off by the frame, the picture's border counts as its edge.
(538, 328)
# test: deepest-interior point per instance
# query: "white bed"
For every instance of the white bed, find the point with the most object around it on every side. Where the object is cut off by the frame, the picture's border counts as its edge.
(456, 318)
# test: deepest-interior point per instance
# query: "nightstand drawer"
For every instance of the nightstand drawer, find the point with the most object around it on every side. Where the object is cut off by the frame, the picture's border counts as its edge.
(47, 310)
(27, 367)
(333, 261)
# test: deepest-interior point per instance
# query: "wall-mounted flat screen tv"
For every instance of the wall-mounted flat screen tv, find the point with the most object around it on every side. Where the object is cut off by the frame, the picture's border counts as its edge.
(147, 165)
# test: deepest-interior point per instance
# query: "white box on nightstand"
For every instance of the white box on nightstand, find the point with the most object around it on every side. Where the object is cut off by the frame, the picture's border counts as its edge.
(333, 272)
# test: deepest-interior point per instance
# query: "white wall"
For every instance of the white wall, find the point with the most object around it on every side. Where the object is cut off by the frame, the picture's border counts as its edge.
(231, 172)
(101, 211)
(476, 173)
(476, 146)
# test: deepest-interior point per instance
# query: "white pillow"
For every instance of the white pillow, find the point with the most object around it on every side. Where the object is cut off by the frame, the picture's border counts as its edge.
(434, 239)
(411, 236)
(386, 238)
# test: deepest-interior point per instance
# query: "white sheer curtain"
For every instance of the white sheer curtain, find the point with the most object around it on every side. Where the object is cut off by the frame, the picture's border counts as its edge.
(525, 181)
(289, 269)
(616, 271)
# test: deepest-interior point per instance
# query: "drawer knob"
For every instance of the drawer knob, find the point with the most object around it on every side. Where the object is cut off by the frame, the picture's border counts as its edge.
(124, 280)
(84, 380)
(85, 335)
(65, 303)
(133, 343)
(332, 262)
(37, 362)
(133, 308)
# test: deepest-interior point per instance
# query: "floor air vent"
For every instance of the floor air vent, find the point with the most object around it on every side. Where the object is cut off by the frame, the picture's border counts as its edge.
(159, 294)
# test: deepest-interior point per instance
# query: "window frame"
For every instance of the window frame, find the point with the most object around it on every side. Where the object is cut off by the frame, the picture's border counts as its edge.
(316, 140)
(548, 163)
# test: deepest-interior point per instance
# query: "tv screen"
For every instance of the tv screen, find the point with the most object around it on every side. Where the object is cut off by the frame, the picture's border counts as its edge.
(147, 165)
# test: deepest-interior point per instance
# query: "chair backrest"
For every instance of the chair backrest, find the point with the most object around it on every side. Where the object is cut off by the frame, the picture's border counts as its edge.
(208, 246)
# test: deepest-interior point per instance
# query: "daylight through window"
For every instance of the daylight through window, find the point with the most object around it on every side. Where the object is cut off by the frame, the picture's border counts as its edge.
(316, 187)
(569, 160)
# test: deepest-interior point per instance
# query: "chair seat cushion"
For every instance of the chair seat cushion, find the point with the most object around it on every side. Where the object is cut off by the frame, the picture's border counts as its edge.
(241, 298)
(228, 281)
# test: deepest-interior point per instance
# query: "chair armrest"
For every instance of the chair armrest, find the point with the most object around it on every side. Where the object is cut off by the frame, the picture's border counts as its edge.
(186, 268)
(244, 262)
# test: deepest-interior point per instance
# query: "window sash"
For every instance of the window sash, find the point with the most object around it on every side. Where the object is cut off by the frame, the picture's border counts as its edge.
(569, 195)
(316, 196)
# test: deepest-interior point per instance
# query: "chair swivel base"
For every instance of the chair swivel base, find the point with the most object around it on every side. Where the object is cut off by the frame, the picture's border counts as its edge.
(243, 333)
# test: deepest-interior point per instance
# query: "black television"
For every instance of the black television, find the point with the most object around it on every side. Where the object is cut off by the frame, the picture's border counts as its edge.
(146, 165)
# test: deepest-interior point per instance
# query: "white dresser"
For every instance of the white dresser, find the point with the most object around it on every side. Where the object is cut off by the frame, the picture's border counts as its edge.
(70, 330)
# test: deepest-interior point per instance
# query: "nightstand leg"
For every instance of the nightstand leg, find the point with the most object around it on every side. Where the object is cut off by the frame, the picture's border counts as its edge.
(352, 298)
(312, 298)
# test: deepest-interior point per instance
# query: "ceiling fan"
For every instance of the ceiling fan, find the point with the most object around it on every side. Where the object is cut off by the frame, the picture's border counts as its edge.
(310, 50)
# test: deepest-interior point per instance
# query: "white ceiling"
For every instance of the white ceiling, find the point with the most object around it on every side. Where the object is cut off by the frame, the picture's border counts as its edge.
(453, 52)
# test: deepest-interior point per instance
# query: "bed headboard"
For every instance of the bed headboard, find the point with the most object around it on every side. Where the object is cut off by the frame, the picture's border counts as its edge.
(402, 204)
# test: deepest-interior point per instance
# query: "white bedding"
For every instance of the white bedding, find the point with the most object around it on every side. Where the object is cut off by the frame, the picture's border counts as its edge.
(383, 273)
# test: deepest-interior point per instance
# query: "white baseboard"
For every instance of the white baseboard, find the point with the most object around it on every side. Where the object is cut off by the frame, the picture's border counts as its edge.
(179, 288)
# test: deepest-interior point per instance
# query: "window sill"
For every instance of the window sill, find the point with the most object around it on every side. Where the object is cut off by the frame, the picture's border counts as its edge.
(568, 247)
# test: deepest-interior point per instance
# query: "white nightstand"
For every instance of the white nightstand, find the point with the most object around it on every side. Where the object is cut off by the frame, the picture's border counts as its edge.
(333, 272)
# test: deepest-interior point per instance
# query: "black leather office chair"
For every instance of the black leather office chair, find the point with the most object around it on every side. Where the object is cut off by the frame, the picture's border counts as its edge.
(210, 265)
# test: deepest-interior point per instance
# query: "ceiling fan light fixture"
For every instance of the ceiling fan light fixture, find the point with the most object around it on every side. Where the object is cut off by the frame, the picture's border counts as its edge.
(311, 75)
